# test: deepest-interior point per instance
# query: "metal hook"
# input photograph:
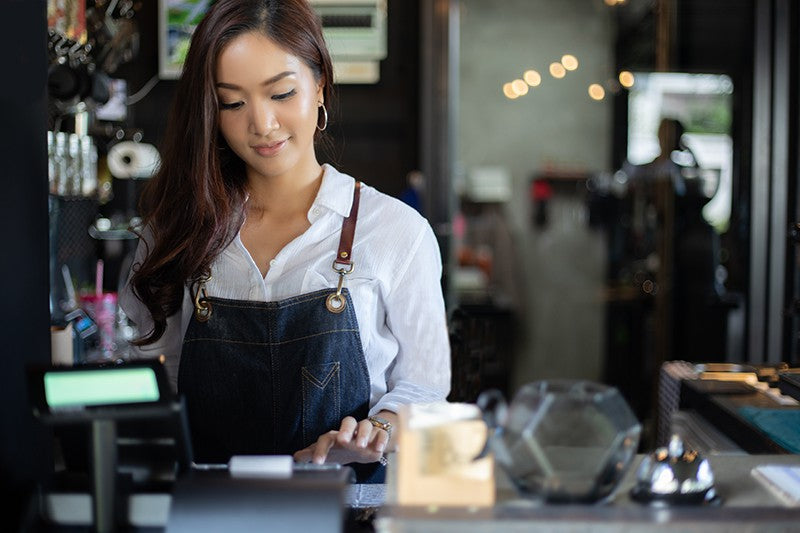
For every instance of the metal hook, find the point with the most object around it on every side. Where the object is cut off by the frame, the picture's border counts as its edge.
(336, 302)
(202, 307)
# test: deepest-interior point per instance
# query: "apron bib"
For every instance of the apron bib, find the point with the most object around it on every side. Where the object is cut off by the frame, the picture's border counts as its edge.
(271, 377)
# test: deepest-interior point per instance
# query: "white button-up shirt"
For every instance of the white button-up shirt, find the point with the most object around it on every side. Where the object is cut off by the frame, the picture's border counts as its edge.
(395, 288)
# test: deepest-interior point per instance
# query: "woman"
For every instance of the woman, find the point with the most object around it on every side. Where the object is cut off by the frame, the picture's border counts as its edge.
(279, 348)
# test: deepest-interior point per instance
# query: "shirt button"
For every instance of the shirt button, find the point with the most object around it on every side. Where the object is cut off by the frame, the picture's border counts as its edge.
(273, 262)
(315, 211)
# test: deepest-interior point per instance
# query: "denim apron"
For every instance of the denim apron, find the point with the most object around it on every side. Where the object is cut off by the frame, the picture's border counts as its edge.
(271, 377)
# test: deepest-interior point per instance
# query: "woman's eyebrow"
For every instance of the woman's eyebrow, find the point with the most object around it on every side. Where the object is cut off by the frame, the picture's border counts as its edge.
(270, 81)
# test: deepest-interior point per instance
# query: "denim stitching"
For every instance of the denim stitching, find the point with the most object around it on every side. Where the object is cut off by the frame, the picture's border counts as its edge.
(336, 395)
(280, 304)
(362, 361)
(279, 343)
(305, 410)
(323, 383)
(275, 382)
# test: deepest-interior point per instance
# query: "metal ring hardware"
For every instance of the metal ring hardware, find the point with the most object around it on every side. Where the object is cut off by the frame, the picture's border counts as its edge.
(336, 302)
(340, 269)
(202, 307)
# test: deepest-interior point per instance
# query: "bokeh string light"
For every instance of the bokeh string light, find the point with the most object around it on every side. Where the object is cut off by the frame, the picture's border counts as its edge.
(531, 78)
(559, 69)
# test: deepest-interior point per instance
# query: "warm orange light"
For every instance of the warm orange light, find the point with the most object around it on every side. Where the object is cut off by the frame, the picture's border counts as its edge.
(596, 91)
(626, 79)
(509, 92)
(532, 78)
(519, 87)
(569, 61)
(557, 70)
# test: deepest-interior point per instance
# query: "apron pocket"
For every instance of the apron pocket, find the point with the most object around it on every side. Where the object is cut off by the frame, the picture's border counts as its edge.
(321, 400)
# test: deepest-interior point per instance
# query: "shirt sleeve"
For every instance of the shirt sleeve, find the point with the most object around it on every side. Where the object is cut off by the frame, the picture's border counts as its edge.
(415, 313)
(170, 343)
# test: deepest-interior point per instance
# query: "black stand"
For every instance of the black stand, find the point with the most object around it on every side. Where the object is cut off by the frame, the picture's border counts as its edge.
(104, 471)
(149, 424)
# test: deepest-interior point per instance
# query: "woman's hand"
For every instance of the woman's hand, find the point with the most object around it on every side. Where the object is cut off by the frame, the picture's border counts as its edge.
(353, 442)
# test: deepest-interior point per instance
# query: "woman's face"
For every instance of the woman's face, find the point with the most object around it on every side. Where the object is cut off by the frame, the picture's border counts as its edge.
(268, 106)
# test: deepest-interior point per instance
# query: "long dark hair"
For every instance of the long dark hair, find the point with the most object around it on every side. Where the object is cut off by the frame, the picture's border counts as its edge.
(194, 205)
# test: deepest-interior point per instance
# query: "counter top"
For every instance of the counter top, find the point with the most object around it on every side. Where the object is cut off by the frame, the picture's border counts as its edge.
(746, 506)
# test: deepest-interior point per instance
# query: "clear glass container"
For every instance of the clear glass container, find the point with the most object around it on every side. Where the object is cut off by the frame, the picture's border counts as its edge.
(562, 440)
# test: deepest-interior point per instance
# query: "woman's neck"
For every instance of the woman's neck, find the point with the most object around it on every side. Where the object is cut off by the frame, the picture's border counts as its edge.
(284, 195)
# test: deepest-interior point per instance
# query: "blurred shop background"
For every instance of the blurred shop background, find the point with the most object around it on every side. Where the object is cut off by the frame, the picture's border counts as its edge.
(613, 182)
(625, 249)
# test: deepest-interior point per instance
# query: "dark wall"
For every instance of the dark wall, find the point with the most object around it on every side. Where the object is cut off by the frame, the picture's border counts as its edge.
(792, 327)
(374, 128)
(717, 36)
(377, 126)
(24, 315)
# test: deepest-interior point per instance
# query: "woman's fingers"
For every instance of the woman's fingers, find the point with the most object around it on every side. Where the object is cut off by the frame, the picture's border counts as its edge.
(361, 435)
(363, 438)
(380, 438)
(317, 452)
(323, 446)
(352, 442)
(304, 455)
(347, 430)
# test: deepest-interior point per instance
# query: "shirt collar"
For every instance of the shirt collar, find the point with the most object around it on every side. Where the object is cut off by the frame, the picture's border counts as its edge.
(335, 191)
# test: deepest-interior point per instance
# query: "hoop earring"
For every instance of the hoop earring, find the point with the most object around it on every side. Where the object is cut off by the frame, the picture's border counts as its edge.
(324, 117)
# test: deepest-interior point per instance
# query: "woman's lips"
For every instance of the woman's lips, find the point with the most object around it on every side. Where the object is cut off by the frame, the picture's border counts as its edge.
(269, 149)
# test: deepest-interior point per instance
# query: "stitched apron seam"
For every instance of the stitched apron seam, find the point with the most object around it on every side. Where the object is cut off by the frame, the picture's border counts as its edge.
(279, 343)
(280, 304)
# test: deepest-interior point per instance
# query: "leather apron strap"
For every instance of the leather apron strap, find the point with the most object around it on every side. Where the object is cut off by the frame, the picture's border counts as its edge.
(343, 255)
(343, 264)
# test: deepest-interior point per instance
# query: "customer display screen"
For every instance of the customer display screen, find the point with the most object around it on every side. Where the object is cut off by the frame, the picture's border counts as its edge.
(77, 389)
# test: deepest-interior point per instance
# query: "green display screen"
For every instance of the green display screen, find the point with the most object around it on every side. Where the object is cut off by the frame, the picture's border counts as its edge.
(83, 388)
